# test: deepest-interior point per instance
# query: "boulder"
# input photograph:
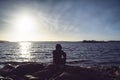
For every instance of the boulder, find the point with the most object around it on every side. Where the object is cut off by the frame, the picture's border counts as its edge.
(78, 73)
(50, 71)
(6, 70)
(27, 69)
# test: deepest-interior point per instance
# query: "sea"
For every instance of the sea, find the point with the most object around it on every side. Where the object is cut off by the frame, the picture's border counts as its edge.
(78, 53)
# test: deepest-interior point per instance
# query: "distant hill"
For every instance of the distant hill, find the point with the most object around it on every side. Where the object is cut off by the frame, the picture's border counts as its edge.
(2, 41)
(94, 41)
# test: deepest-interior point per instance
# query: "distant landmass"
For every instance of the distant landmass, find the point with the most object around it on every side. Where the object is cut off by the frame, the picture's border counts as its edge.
(94, 41)
(2, 41)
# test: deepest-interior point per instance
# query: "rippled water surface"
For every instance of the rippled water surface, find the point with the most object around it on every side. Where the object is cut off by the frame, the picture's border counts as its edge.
(77, 53)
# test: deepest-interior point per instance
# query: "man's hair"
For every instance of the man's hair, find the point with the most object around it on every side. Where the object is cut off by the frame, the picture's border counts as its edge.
(58, 47)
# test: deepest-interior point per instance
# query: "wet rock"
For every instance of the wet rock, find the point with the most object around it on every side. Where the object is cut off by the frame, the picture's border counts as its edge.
(6, 70)
(5, 78)
(1, 77)
(114, 72)
(8, 66)
(31, 77)
(50, 71)
(44, 74)
(35, 71)
(73, 76)
(77, 73)
(51, 67)
(27, 69)
(67, 76)
(15, 77)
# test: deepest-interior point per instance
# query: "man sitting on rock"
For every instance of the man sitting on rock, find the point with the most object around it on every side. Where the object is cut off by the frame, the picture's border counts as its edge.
(59, 56)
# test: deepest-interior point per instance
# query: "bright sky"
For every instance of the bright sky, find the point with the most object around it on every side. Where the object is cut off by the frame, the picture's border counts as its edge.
(59, 20)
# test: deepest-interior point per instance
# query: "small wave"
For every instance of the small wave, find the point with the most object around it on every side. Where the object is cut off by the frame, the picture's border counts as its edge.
(2, 57)
(36, 47)
(39, 52)
(111, 62)
(80, 61)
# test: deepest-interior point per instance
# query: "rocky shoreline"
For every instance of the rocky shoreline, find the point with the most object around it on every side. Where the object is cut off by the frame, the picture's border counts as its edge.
(40, 71)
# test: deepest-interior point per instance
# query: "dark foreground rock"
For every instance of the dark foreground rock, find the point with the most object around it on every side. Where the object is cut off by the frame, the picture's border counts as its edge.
(37, 71)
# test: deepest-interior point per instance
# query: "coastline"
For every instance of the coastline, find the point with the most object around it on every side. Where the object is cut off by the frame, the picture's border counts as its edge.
(42, 71)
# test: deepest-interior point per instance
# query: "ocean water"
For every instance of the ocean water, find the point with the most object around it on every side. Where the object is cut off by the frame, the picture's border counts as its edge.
(80, 54)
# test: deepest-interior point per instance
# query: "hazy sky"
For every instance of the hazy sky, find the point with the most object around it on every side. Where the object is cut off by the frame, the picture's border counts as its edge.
(63, 20)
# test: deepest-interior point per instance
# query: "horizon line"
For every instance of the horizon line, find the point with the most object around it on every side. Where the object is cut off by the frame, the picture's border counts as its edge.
(58, 40)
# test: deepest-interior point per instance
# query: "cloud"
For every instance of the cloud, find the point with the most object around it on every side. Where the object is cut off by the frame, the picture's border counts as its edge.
(69, 17)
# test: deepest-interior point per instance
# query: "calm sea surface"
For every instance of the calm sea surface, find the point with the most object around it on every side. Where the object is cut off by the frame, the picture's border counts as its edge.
(81, 54)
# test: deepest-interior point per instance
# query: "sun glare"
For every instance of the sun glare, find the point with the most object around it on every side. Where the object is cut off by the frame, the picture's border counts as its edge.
(25, 23)
(24, 26)
(25, 51)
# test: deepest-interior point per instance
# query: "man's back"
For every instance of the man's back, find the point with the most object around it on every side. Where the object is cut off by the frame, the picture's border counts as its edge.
(59, 56)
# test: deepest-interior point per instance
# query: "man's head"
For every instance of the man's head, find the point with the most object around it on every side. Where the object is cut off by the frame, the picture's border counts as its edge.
(58, 47)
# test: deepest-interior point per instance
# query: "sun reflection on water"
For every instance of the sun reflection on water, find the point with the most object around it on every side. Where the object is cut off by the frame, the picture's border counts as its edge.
(25, 51)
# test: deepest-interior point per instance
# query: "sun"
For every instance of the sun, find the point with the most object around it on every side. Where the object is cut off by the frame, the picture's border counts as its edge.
(24, 26)
(25, 23)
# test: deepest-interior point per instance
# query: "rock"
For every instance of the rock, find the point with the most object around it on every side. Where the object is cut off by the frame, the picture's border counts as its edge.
(50, 71)
(51, 67)
(4, 78)
(8, 66)
(31, 77)
(44, 74)
(35, 71)
(1, 77)
(114, 72)
(72, 73)
(15, 77)
(67, 76)
(6, 70)
(27, 69)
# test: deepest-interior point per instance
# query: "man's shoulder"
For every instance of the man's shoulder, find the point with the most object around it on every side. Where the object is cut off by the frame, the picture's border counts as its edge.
(63, 52)
(54, 51)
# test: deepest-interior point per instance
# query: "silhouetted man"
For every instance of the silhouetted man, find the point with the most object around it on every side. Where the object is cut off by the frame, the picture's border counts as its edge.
(59, 56)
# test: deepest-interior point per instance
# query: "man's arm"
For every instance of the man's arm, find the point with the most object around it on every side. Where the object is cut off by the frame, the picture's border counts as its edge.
(64, 56)
(53, 56)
